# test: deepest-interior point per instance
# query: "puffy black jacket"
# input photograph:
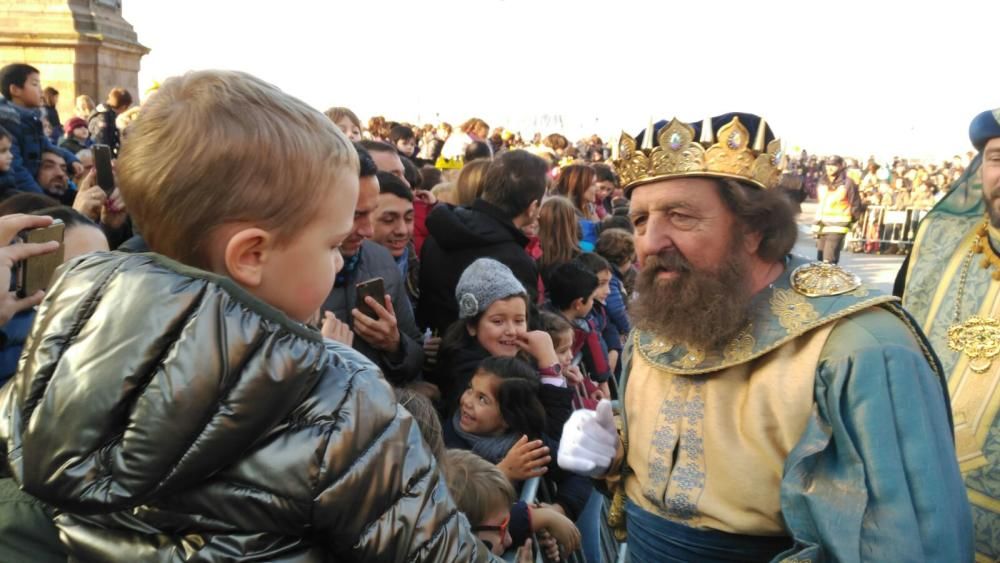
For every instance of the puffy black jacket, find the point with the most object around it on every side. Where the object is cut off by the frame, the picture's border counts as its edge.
(167, 415)
(458, 237)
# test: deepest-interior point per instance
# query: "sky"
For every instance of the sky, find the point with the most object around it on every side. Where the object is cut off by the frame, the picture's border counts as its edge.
(859, 78)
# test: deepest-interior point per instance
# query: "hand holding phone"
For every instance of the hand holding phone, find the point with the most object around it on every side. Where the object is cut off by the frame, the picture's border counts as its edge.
(379, 329)
(34, 273)
(105, 172)
(374, 288)
(12, 254)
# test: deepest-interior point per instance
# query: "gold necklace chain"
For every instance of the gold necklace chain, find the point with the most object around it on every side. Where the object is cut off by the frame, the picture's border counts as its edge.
(978, 337)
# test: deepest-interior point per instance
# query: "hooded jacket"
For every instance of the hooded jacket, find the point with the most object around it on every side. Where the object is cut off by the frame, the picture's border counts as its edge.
(458, 237)
(168, 415)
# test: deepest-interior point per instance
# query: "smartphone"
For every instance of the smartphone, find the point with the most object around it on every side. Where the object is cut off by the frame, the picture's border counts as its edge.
(35, 273)
(102, 163)
(374, 288)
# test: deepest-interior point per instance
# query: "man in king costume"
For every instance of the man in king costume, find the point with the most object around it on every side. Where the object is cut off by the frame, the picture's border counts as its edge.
(773, 409)
(952, 288)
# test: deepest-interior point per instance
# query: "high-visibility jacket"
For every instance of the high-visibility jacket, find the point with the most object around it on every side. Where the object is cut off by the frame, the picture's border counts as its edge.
(835, 212)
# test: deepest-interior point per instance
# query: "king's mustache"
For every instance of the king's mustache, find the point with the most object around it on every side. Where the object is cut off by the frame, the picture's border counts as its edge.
(667, 262)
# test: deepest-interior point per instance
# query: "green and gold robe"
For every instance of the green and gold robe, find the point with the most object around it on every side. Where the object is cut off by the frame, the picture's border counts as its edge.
(934, 272)
(826, 420)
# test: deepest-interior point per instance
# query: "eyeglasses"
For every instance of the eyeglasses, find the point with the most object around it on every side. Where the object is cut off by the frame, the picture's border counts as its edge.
(501, 529)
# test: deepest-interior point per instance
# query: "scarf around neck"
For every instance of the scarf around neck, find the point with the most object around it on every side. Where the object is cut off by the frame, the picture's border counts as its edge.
(491, 448)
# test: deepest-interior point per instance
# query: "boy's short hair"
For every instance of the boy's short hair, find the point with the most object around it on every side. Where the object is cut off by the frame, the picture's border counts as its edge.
(392, 184)
(15, 74)
(594, 263)
(401, 133)
(616, 245)
(5, 134)
(604, 173)
(621, 222)
(478, 487)
(569, 282)
(215, 147)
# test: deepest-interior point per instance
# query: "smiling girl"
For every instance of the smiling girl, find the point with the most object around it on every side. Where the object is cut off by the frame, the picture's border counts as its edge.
(493, 321)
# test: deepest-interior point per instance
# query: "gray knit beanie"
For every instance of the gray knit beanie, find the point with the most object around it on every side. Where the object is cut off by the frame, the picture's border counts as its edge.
(484, 282)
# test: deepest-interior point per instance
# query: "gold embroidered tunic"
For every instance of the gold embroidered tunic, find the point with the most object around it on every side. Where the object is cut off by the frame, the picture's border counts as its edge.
(781, 432)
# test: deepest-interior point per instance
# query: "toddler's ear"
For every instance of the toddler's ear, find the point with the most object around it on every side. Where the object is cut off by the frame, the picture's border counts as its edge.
(246, 253)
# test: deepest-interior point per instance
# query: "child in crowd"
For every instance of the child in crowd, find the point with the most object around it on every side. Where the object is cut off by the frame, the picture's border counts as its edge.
(499, 420)
(77, 135)
(563, 336)
(493, 321)
(186, 412)
(599, 316)
(405, 141)
(571, 290)
(617, 246)
(6, 161)
(22, 96)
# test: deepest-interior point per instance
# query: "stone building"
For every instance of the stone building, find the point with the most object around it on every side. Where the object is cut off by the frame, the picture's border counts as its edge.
(80, 46)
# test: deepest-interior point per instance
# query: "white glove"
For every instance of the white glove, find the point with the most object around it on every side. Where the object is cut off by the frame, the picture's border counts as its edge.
(589, 441)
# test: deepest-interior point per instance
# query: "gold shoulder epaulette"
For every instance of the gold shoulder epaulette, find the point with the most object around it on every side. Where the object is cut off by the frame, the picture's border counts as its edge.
(822, 279)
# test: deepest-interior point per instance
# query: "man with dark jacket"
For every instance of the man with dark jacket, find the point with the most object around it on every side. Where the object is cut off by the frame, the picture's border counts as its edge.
(392, 341)
(491, 228)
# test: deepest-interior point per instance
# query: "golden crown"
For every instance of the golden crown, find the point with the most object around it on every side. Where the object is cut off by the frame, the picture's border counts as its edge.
(678, 154)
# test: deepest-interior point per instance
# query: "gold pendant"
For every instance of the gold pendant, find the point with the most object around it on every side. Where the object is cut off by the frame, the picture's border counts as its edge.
(979, 339)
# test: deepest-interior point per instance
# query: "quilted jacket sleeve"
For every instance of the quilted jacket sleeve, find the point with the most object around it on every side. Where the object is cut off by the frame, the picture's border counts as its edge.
(381, 496)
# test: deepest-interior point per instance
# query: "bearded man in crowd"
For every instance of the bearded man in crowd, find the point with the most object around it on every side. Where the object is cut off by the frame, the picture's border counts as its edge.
(772, 408)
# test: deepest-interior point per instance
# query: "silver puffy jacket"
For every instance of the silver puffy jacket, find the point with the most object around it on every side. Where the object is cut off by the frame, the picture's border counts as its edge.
(167, 415)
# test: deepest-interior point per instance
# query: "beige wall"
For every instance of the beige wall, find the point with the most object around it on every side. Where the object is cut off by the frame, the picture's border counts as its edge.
(79, 46)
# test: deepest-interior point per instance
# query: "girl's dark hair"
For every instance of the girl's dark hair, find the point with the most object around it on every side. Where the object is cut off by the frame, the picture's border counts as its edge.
(5, 134)
(517, 395)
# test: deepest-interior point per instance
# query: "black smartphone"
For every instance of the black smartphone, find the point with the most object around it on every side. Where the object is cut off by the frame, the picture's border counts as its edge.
(374, 288)
(102, 163)
(35, 273)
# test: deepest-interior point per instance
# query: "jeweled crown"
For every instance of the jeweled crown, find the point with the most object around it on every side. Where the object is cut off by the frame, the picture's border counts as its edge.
(677, 154)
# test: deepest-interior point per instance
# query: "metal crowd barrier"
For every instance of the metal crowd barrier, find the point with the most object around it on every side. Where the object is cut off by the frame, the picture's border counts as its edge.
(883, 229)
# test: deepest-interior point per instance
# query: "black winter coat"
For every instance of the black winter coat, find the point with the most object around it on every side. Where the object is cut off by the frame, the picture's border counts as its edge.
(167, 415)
(458, 237)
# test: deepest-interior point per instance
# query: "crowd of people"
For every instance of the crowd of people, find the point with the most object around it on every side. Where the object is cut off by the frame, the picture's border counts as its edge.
(320, 337)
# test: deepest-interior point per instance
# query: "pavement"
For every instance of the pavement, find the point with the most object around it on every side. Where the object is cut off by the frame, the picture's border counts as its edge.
(876, 270)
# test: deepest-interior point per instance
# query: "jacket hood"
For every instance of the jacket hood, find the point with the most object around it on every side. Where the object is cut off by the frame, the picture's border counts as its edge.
(457, 228)
(143, 375)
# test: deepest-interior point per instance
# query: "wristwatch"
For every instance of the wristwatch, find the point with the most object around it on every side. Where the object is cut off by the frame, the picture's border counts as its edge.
(555, 370)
